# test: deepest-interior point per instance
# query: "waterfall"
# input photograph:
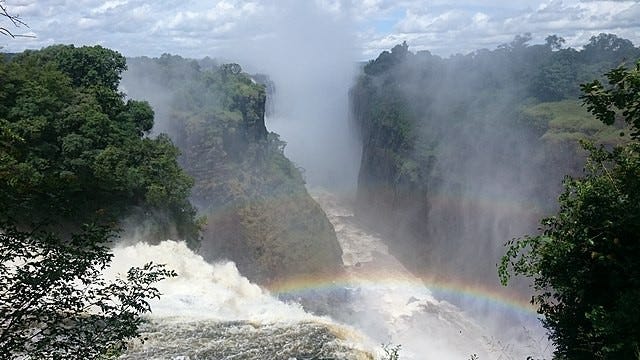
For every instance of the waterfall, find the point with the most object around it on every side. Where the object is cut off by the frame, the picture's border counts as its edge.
(210, 311)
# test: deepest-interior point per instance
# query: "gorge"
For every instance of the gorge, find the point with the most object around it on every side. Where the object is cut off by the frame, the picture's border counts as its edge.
(450, 170)
(447, 176)
(317, 258)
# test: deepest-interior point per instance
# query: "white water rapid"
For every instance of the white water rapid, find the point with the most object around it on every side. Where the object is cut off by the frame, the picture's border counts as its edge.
(213, 312)
(210, 311)
(391, 305)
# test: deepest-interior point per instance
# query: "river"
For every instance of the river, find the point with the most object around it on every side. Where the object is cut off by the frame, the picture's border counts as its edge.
(210, 311)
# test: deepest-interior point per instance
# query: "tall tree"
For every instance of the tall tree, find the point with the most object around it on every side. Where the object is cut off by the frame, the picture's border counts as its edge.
(554, 42)
(74, 151)
(621, 99)
(75, 158)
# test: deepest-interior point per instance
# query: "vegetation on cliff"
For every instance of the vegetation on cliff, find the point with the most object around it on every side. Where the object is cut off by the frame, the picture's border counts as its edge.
(403, 102)
(55, 302)
(441, 136)
(259, 213)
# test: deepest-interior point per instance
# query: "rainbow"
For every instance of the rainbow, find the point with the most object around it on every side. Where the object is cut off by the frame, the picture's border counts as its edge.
(501, 299)
(495, 297)
(444, 200)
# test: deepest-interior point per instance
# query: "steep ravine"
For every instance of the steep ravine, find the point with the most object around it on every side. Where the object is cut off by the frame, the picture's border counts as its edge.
(210, 311)
(389, 304)
(461, 154)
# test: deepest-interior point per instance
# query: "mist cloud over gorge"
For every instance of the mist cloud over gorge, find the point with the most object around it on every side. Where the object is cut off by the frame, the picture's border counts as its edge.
(309, 54)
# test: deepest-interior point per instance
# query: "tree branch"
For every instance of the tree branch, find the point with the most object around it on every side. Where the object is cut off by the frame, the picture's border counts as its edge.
(15, 20)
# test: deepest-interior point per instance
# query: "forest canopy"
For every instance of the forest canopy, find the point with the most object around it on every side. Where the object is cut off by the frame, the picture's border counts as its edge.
(73, 149)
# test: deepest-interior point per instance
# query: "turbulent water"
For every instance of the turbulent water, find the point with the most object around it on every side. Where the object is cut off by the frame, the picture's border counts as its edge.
(392, 305)
(210, 311)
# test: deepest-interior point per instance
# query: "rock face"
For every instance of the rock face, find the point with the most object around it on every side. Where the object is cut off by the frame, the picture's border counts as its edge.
(258, 212)
(460, 155)
(392, 182)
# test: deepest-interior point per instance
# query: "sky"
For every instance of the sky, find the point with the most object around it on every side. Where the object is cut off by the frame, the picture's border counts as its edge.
(198, 28)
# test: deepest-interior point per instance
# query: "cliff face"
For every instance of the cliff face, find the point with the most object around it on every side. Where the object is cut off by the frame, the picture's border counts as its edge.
(390, 181)
(258, 212)
(392, 186)
(460, 155)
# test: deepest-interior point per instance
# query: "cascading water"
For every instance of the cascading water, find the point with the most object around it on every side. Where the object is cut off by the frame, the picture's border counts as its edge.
(390, 304)
(213, 312)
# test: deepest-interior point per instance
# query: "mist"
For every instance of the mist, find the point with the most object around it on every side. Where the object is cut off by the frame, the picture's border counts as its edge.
(483, 186)
(404, 177)
(487, 183)
(309, 54)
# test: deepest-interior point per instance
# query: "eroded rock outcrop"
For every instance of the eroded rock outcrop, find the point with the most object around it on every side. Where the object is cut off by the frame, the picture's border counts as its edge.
(258, 212)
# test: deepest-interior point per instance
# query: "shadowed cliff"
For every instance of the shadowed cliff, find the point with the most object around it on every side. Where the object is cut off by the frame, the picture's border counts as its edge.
(461, 154)
(258, 212)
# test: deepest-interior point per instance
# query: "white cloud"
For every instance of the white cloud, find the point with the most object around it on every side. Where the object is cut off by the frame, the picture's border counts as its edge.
(445, 28)
(200, 27)
(108, 5)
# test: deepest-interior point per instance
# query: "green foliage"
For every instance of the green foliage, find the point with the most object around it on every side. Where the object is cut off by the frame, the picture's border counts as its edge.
(55, 302)
(585, 265)
(620, 99)
(556, 77)
(609, 47)
(400, 109)
(566, 120)
(554, 42)
(518, 100)
(90, 67)
(386, 60)
(74, 151)
(232, 68)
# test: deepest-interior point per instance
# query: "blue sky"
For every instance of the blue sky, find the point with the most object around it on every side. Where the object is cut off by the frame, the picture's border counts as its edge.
(198, 28)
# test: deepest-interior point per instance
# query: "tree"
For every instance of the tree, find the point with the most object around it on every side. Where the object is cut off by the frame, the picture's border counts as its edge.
(608, 42)
(54, 301)
(231, 68)
(621, 99)
(609, 48)
(585, 264)
(521, 40)
(75, 158)
(73, 151)
(387, 60)
(554, 42)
